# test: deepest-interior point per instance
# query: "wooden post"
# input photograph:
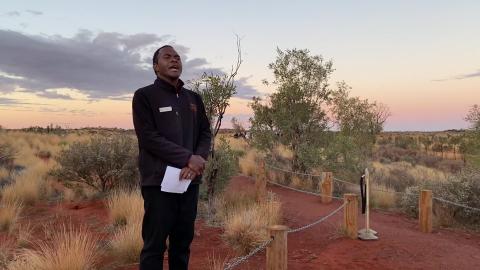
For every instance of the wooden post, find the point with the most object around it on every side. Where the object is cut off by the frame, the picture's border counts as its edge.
(326, 187)
(277, 250)
(261, 183)
(425, 211)
(350, 215)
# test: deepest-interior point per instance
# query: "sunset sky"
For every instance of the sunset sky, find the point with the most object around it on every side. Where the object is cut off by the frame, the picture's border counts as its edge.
(77, 64)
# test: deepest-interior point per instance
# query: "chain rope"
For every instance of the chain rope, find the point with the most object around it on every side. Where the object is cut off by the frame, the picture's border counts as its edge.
(304, 191)
(317, 221)
(236, 261)
(456, 204)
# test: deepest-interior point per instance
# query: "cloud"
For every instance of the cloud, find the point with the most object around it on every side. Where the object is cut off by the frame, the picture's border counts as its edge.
(100, 65)
(13, 13)
(461, 76)
(244, 90)
(34, 12)
(53, 95)
(16, 102)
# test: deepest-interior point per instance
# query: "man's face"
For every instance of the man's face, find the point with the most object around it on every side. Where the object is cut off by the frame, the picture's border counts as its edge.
(168, 64)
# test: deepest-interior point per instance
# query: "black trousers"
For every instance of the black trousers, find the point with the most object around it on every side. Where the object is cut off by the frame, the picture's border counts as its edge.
(169, 215)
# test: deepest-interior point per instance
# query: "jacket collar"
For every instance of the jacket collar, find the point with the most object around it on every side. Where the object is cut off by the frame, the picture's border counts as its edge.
(165, 85)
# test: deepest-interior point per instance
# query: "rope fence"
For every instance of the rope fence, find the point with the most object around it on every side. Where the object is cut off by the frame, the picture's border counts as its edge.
(276, 246)
(317, 221)
(239, 260)
(354, 184)
(304, 191)
(456, 204)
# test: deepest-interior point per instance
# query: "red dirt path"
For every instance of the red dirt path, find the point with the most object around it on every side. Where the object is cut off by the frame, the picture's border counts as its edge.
(401, 245)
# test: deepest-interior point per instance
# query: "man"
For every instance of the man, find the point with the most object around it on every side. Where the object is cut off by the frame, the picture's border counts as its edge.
(172, 130)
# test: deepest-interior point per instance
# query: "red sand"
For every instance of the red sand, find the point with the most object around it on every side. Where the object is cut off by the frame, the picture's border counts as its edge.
(401, 244)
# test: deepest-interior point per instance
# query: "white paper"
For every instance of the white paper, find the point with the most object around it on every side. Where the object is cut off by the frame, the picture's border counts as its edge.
(172, 183)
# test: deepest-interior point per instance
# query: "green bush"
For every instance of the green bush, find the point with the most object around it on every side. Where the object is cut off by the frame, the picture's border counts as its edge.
(222, 166)
(103, 163)
(462, 188)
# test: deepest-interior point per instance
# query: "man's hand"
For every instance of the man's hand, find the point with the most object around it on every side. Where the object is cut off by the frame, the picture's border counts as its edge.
(197, 164)
(187, 173)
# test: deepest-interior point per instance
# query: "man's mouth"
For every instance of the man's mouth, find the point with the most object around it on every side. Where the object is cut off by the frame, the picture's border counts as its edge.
(174, 68)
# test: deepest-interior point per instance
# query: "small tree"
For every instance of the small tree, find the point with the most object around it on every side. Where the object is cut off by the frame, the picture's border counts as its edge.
(295, 115)
(473, 117)
(359, 122)
(216, 91)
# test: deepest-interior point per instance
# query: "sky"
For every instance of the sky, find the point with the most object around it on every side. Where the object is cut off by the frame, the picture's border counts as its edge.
(77, 64)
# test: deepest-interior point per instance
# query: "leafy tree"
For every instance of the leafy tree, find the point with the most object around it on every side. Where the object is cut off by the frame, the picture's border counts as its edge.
(359, 122)
(473, 117)
(470, 144)
(295, 115)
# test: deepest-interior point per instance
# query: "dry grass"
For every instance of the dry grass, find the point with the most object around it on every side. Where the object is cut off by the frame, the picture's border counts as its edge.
(216, 263)
(127, 242)
(4, 173)
(381, 199)
(301, 182)
(25, 234)
(231, 202)
(400, 175)
(246, 228)
(125, 206)
(249, 163)
(68, 195)
(73, 249)
(9, 215)
(238, 144)
(7, 247)
(284, 152)
(28, 187)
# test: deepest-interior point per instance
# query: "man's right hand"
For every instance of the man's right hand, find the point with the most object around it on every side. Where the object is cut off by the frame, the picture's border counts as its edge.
(196, 163)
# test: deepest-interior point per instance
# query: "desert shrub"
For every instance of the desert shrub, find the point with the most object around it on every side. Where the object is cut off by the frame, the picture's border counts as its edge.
(127, 242)
(125, 206)
(73, 249)
(394, 154)
(28, 187)
(245, 228)
(7, 155)
(383, 197)
(230, 202)
(103, 163)
(429, 161)
(452, 166)
(405, 142)
(223, 166)
(462, 188)
(248, 163)
(9, 215)
(7, 247)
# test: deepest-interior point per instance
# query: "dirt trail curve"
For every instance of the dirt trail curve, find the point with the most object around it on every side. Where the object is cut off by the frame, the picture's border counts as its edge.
(401, 244)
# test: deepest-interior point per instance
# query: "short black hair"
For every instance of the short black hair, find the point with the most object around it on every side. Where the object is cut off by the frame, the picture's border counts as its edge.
(155, 55)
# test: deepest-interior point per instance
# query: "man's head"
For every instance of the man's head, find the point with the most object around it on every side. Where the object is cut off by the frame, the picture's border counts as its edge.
(167, 63)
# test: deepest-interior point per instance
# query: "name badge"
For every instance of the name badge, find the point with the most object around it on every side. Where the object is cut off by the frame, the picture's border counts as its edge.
(165, 109)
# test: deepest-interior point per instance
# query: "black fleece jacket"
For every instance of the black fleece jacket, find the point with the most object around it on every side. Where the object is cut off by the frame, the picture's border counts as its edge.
(171, 125)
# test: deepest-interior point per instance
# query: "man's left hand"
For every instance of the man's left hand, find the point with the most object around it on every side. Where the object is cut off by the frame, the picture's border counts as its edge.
(187, 173)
